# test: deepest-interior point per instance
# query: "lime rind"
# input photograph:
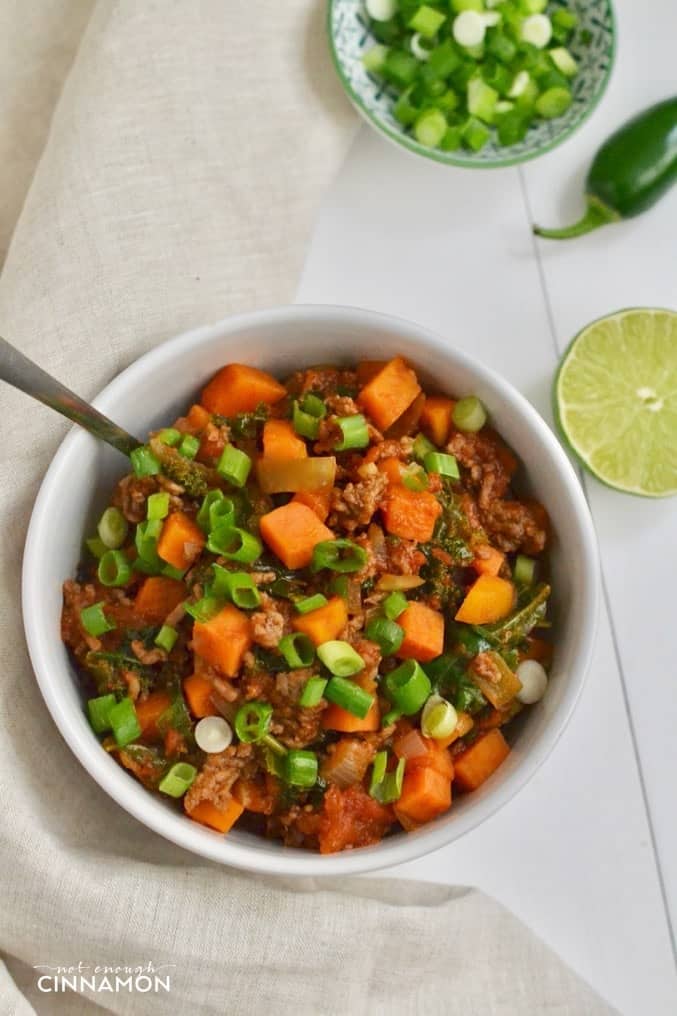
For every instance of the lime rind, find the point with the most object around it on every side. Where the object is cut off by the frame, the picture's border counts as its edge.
(615, 400)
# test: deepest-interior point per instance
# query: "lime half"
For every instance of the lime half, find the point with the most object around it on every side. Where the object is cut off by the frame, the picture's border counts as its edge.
(616, 400)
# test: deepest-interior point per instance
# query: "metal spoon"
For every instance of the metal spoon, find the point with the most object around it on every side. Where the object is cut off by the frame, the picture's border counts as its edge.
(17, 370)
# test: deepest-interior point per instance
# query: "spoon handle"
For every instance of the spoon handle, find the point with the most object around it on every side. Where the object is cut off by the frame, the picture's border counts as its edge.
(20, 372)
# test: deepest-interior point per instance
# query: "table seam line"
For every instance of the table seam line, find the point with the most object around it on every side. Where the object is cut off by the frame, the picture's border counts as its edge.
(605, 592)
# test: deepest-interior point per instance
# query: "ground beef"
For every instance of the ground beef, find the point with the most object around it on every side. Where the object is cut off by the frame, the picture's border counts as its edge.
(512, 525)
(354, 506)
(329, 435)
(484, 666)
(256, 684)
(404, 557)
(75, 598)
(322, 381)
(488, 461)
(131, 494)
(296, 827)
(341, 405)
(370, 653)
(295, 725)
(214, 439)
(270, 623)
(400, 449)
(147, 656)
(214, 781)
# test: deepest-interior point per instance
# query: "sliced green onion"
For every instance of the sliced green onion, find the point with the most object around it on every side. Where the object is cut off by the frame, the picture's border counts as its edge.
(386, 787)
(374, 59)
(112, 528)
(252, 721)
(147, 567)
(311, 603)
(427, 21)
(297, 649)
(439, 462)
(177, 781)
(204, 609)
(124, 722)
(145, 539)
(524, 571)
(422, 446)
(169, 436)
(189, 446)
(222, 513)
(96, 547)
(349, 696)
(94, 621)
(469, 414)
(210, 500)
(173, 573)
(378, 769)
(430, 127)
(338, 556)
(314, 406)
(144, 463)
(166, 638)
(312, 693)
(304, 423)
(157, 505)
(340, 658)
(553, 102)
(355, 432)
(300, 768)
(386, 633)
(114, 569)
(237, 586)
(414, 477)
(235, 544)
(392, 716)
(98, 710)
(234, 466)
(394, 604)
(439, 718)
(407, 687)
(340, 585)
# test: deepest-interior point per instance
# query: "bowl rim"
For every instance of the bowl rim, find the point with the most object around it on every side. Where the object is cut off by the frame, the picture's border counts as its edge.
(176, 827)
(403, 140)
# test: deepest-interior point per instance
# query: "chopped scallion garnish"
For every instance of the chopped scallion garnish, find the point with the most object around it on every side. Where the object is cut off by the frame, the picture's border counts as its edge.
(94, 621)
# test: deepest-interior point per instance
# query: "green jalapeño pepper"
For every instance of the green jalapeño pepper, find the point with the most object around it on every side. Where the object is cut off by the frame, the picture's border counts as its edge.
(630, 172)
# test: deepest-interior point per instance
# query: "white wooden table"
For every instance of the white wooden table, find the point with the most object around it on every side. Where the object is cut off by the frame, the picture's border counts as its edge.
(586, 855)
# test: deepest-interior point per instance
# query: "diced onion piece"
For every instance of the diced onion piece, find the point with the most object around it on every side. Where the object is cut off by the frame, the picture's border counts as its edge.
(439, 718)
(469, 29)
(537, 29)
(534, 680)
(381, 10)
(389, 582)
(411, 745)
(284, 476)
(213, 734)
(519, 85)
(419, 51)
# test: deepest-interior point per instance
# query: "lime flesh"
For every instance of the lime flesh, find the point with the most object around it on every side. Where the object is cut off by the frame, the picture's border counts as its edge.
(616, 400)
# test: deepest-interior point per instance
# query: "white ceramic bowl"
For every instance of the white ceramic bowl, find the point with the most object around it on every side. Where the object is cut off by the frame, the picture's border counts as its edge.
(151, 393)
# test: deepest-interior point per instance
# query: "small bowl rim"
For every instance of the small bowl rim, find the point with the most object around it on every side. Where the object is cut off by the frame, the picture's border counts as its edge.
(175, 827)
(402, 140)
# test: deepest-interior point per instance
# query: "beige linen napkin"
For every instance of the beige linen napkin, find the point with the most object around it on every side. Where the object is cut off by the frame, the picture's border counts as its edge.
(186, 158)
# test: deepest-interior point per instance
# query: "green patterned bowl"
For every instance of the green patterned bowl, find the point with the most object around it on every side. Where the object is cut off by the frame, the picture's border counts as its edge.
(350, 38)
